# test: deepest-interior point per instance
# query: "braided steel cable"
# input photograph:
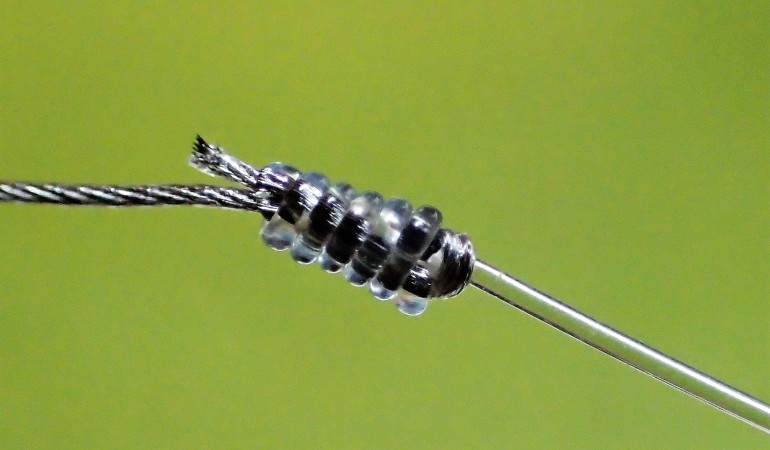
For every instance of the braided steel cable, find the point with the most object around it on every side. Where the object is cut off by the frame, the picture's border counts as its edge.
(126, 196)
(348, 233)
(401, 253)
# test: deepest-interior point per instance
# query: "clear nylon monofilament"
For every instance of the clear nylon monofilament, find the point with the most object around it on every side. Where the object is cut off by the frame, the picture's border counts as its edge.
(401, 253)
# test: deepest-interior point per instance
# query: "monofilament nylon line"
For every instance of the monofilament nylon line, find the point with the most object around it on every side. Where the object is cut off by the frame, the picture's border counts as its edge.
(401, 253)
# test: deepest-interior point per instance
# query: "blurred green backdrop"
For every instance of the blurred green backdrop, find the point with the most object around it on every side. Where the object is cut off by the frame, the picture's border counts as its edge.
(615, 155)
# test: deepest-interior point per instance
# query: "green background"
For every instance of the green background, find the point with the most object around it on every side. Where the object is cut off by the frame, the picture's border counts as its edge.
(616, 156)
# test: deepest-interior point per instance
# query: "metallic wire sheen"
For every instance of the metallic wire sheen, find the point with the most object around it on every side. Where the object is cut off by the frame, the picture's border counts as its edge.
(127, 196)
(264, 197)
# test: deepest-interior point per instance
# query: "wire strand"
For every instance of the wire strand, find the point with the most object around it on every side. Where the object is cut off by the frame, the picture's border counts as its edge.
(442, 269)
(129, 196)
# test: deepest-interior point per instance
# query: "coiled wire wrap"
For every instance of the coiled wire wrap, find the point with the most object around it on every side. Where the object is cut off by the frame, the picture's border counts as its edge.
(402, 254)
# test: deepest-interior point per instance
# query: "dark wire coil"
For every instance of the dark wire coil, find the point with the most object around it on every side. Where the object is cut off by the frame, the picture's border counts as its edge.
(401, 253)
(333, 225)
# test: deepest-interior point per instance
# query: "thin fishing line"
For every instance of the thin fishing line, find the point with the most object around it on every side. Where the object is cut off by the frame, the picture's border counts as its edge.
(401, 253)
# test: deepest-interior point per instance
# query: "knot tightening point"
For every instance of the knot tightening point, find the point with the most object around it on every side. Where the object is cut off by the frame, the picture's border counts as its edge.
(401, 253)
